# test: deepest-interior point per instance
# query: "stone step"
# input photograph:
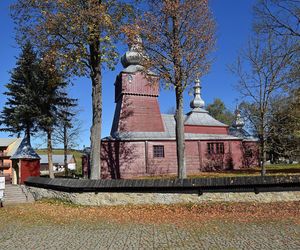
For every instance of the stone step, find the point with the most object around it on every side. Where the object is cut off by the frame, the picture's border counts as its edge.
(15, 197)
(9, 201)
(16, 194)
(15, 201)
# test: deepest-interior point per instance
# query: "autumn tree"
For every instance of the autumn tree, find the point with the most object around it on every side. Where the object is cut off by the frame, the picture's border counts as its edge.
(20, 111)
(218, 110)
(177, 38)
(82, 36)
(261, 70)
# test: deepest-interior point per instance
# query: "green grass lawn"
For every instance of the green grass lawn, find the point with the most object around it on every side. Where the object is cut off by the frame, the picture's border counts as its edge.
(77, 154)
(276, 169)
(283, 166)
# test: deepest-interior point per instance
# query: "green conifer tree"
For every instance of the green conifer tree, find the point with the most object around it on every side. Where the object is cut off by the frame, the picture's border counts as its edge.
(20, 110)
(218, 110)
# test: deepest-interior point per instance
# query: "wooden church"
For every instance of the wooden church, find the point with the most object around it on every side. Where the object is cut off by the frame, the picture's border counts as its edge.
(142, 140)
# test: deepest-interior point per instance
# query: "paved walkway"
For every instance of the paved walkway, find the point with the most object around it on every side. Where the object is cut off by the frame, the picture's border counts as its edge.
(109, 235)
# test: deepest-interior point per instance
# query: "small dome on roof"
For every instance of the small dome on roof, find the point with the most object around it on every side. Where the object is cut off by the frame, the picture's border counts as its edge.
(198, 116)
(197, 102)
(239, 121)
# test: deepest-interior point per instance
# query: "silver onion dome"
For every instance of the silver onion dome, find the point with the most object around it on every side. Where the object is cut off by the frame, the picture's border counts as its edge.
(135, 55)
(239, 121)
(197, 102)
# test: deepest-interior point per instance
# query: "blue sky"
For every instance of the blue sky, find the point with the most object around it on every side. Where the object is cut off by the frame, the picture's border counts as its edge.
(234, 27)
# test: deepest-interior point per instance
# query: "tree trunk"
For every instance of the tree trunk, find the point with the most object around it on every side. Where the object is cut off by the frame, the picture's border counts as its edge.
(177, 60)
(65, 151)
(49, 151)
(180, 143)
(97, 111)
(262, 155)
(27, 133)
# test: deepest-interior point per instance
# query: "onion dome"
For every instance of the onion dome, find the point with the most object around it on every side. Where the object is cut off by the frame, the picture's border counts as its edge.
(197, 102)
(132, 60)
(198, 116)
(239, 121)
(237, 130)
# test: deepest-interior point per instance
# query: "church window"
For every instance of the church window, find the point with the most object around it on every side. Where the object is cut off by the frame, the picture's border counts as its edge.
(220, 148)
(158, 151)
(210, 148)
(215, 148)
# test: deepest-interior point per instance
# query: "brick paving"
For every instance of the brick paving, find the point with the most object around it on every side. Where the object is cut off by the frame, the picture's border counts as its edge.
(214, 234)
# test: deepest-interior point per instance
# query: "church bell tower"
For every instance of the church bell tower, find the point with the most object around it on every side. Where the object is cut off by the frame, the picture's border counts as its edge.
(136, 93)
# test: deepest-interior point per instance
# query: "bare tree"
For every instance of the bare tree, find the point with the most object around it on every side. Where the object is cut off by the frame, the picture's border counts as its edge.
(67, 132)
(52, 99)
(177, 37)
(282, 17)
(262, 69)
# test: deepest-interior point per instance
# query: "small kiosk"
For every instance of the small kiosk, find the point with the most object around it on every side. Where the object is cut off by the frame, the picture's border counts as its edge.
(25, 163)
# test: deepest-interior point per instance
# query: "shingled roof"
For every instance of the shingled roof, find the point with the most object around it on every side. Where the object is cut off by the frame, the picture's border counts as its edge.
(169, 134)
(5, 142)
(201, 117)
(25, 151)
(12, 144)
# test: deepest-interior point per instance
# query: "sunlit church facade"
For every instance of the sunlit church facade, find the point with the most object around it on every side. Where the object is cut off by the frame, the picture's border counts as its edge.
(142, 140)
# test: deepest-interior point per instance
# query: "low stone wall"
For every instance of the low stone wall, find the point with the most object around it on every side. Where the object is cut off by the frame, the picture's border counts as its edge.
(112, 198)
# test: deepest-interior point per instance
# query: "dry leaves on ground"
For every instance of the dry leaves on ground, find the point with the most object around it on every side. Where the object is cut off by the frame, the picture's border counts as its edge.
(181, 214)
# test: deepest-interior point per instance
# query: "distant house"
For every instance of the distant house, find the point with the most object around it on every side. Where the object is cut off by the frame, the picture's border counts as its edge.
(58, 163)
(8, 147)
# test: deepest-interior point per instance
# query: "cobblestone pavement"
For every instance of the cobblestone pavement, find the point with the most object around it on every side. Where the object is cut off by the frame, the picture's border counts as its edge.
(112, 235)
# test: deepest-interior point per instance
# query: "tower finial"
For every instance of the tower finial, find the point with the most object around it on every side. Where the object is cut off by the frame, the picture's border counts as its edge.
(135, 55)
(239, 121)
(197, 102)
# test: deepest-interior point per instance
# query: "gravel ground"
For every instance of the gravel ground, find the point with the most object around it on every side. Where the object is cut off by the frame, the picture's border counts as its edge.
(17, 232)
(212, 235)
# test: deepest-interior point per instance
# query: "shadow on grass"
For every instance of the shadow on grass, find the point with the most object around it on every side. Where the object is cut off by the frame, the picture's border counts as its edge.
(271, 170)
